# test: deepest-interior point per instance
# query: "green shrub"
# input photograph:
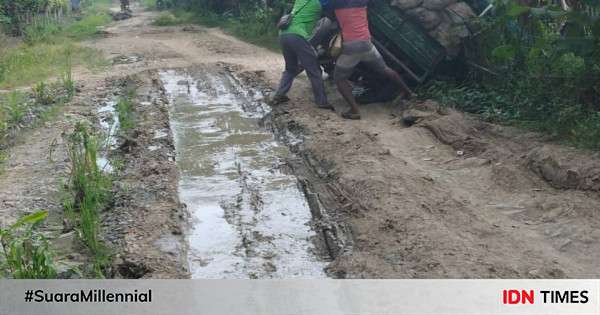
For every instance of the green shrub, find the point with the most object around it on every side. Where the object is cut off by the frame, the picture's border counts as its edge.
(126, 115)
(26, 253)
(88, 192)
(545, 78)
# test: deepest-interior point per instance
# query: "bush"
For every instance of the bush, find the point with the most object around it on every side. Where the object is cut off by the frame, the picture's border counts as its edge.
(546, 78)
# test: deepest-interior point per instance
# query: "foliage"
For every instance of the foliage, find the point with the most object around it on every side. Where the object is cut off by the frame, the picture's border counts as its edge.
(253, 21)
(125, 112)
(16, 14)
(29, 64)
(26, 253)
(48, 40)
(546, 66)
(88, 192)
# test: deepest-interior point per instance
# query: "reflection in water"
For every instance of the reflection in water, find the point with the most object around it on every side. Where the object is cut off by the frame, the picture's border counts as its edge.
(249, 219)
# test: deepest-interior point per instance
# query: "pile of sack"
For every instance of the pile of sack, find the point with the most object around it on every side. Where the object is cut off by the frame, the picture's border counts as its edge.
(447, 21)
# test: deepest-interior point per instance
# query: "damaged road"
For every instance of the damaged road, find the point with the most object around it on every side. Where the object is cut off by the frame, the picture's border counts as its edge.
(448, 197)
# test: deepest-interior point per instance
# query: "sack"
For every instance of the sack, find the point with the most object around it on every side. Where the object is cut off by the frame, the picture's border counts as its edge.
(335, 45)
(285, 21)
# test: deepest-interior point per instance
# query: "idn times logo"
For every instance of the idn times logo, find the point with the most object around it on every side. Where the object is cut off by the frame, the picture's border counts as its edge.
(519, 296)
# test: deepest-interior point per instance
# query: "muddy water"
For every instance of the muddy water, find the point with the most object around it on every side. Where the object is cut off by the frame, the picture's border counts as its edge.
(109, 122)
(249, 219)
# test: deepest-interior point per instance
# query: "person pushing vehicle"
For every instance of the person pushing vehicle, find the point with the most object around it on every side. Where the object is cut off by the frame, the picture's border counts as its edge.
(358, 48)
(299, 54)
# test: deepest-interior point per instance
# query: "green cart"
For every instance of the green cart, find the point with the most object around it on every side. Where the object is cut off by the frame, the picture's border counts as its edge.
(403, 43)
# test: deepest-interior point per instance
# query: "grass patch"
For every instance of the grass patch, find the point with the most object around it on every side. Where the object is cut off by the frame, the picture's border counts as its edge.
(33, 63)
(149, 4)
(246, 28)
(126, 115)
(26, 253)
(16, 106)
(46, 42)
(88, 193)
(565, 121)
(13, 107)
(86, 27)
(3, 159)
(176, 17)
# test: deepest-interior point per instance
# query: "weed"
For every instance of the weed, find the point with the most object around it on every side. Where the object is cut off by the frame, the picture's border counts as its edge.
(150, 4)
(42, 94)
(89, 190)
(253, 26)
(26, 253)
(125, 112)
(3, 158)
(27, 64)
(86, 27)
(170, 19)
(47, 42)
(67, 75)
(15, 108)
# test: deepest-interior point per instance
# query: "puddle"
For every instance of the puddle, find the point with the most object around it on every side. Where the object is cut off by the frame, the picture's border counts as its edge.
(249, 219)
(109, 122)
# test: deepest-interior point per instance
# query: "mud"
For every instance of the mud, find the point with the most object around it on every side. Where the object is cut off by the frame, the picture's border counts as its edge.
(450, 197)
(249, 218)
(145, 227)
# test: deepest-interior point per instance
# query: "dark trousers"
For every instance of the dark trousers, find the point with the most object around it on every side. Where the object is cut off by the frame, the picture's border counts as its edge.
(298, 51)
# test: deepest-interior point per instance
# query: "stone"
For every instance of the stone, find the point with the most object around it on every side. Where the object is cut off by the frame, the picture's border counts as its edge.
(437, 4)
(461, 10)
(406, 4)
(427, 18)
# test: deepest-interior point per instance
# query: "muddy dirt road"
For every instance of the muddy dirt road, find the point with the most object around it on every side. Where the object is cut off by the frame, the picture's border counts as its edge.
(448, 197)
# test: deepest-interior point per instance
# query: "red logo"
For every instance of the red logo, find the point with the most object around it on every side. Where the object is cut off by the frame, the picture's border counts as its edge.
(518, 297)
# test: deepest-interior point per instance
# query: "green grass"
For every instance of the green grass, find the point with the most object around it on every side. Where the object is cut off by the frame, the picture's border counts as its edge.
(244, 28)
(88, 193)
(560, 118)
(33, 63)
(126, 115)
(46, 43)
(87, 27)
(43, 97)
(26, 253)
(3, 159)
(149, 4)
(13, 107)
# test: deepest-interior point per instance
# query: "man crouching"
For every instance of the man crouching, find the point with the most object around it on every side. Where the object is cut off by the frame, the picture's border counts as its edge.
(357, 47)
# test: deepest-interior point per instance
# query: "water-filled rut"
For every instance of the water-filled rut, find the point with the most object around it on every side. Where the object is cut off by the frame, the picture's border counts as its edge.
(248, 218)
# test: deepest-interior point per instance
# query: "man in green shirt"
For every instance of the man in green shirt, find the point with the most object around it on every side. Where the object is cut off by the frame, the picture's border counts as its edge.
(298, 51)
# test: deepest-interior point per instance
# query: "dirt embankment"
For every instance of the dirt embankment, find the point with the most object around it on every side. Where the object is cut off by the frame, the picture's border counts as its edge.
(146, 224)
(451, 196)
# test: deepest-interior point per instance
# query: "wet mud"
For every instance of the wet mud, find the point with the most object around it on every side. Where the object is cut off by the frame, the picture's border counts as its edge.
(249, 216)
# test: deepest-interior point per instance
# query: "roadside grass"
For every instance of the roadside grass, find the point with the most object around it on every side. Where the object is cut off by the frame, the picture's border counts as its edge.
(247, 29)
(3, 159)
(126, 115)
(46, 43)
(20, 109)
(149, 4)
(564, 121)
(89, 190)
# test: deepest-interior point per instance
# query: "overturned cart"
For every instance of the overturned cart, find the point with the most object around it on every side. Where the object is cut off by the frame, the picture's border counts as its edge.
(415, 36)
